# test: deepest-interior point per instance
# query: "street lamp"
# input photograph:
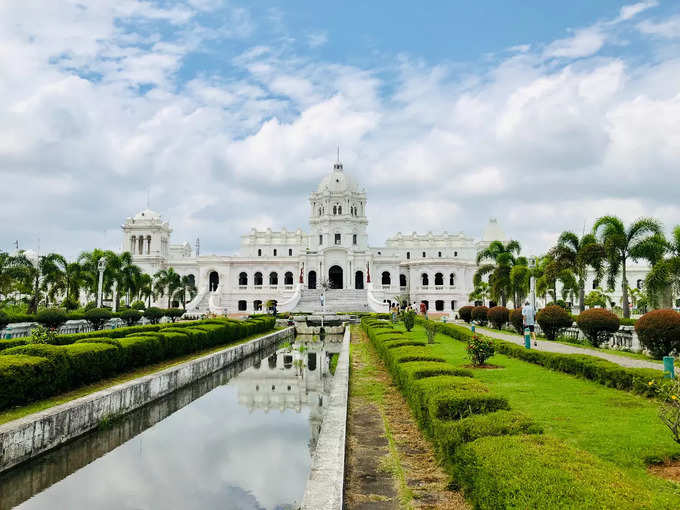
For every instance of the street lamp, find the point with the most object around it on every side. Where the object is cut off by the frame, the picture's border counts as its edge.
(101, 265)
(532, 281)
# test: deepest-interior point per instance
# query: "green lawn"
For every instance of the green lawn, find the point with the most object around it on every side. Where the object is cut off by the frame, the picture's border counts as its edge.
(615, 425)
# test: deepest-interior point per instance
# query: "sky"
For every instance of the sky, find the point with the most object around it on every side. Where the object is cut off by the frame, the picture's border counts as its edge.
(224, 116)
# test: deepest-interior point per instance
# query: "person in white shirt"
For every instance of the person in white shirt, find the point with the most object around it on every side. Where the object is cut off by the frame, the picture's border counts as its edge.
(529, 319)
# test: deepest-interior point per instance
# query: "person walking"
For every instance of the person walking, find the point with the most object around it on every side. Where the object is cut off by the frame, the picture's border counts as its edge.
(529, 319)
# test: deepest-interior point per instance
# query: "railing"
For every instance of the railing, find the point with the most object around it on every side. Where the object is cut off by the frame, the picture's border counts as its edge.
(273, 286)
(288, 287)
(242, 287)
(258, 287)
(402, 288)
(438, 287)
(386, 286)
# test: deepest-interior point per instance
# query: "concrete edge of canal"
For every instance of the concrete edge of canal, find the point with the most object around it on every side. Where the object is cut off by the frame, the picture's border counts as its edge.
(324, 489)
(33, 435)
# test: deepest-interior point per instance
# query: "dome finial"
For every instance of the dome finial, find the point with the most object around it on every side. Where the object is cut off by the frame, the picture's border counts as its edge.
(338, 165)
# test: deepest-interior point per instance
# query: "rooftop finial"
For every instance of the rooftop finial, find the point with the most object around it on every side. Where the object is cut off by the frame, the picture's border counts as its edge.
(338, 165)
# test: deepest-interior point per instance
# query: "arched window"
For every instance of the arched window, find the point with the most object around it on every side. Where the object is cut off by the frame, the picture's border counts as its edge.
(257, 305)
(452, 280)
(339, 209)
(439, 305)
(259, 252)
(271, 361)
(273, 278)
(386, 280)
(439, 279)
(639, 284)
(402, 280)
(424, 255)
(242, 306)
(311, 361)
(335, 210)
(257, 279)
(408, 255)
(288, 278)
(425, 279)
(243, 278)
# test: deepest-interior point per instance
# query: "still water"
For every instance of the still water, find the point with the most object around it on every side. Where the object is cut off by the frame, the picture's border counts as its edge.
(241, 438)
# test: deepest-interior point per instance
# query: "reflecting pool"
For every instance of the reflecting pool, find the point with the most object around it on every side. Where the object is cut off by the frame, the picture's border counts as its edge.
(241, 438)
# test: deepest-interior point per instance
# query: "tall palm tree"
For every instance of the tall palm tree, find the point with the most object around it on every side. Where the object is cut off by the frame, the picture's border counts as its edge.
(480, 293)
(520, 276)
(145, 288)
(35, 272)
(663, 281)
(128, 275)
(167, 281)
(187, 289)
(12, 268)
(577, 255)
(500, 260)
(643, 239)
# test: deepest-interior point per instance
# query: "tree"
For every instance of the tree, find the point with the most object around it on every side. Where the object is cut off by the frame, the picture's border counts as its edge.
(480, 293)
(663, 281)
(597, 297)
(643, 239)
(187, 289)
(520, 276)
(36, 273)
(500, 260)
(167, 282)
(128, 276)
(145, 289)
(577, 255)
(11, 271)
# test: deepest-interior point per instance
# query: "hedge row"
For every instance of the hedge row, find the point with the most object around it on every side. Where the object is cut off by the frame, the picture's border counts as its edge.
(33, 371)
(497, 456)
(588, 367)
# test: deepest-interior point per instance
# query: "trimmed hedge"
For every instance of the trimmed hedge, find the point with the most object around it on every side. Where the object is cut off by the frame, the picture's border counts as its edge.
(498, 316)
(480, 314)
(534, 471)
(659, 332)
(41, 370)
(595, 323)
(465, 313)
(517, 320)
(552, 320)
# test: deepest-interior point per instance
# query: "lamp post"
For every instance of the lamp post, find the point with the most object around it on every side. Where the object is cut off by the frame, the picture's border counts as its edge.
(532, 281)
(101, 265)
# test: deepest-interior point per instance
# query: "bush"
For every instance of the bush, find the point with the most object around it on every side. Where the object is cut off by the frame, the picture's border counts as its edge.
(7, 343)
(596, 323)
(97, 317)
(480, 314)
(659, 332)
(154, 314)
(409, 319)
(91, 362)
(140, 350)
(4, 319)
(174, 313)
(24, 379)
(479, 349)
(552, 319)
(498, 316)
(130, 316)
(465, 313)
(51, 318)
(517, 320)
(138, 305)
(55, 354)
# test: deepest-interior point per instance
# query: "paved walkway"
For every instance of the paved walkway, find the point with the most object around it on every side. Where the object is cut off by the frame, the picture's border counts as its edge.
(546, 345)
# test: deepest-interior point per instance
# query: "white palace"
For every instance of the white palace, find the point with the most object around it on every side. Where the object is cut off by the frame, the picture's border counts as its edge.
(295, 267)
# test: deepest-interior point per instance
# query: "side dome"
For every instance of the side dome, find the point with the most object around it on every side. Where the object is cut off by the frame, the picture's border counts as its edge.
(147, 214)
(338, 181)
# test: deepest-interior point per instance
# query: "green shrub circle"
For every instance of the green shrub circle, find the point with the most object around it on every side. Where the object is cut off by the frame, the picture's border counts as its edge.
(595, 322)
(659, 332)
(552, 319)
(498, 316)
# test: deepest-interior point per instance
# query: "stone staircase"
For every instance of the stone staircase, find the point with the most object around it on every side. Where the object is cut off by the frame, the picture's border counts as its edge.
(337, 300)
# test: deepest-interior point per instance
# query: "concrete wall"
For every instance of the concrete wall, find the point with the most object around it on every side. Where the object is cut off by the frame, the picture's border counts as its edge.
(325, 485)
(32, 435)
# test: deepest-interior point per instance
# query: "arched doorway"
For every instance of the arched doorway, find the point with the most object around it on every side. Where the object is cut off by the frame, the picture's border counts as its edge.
(359, 280)
(311, 280)
(214, 280)
(335, 277)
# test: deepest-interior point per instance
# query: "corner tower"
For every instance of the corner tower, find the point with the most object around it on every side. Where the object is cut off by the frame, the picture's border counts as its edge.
(338, 213)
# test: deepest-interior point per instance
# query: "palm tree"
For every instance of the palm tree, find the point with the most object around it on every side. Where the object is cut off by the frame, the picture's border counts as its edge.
(663, 281)
(187, 289)
(89, 262)
(577, 255)
(481, 293)
(520, 276)
(167, 281)
(35, 273)
(12, 268)
(643, 239)
(128, 275)
(145, 288)
(501, 258)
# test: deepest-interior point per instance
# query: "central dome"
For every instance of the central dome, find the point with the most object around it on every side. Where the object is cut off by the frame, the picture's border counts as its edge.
(338, 181)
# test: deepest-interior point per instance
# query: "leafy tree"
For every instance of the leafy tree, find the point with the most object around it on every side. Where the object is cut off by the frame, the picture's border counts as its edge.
(11, 271)
(167, 282)
(130, 316)
(51, 318)
(154, 314)
(97, 317)
(482, 292)
(500, 259)
(36, 274)
(187, 290)
(520, 276)
(597, 297)
(663, 281)
(643, 239)
(145, 289)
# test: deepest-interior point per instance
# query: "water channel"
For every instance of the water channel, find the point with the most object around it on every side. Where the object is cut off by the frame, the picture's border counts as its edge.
(241, 438)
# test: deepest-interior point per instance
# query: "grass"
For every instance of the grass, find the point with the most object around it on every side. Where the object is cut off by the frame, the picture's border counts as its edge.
(19, 412)
(614, 425)
(635, 355)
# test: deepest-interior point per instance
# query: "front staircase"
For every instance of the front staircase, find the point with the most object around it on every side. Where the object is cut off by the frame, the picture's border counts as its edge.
(337, 300)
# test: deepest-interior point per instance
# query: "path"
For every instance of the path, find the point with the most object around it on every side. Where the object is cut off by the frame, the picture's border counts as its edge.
(546, 345)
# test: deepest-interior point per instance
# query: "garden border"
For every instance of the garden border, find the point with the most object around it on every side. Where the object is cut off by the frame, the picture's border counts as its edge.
(28, 437)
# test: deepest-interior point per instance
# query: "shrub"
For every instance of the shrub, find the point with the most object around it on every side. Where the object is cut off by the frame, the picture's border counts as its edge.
(97, 317)
(498, 316)
(130, 316)
(480, 314)
(533, 471)
(4, 319)
(174, 313)
(517, 320)
(409, 319)
(659, 332)
(154, 314)
(430, 331)
(140, 350)
(7, 343)
(596, 323)
(465, 313)
(24, 379)
(91, 362)
(479, 349)
(51, 318)
(552, 319)
(55, 354)
(138, 305)
(42, 335)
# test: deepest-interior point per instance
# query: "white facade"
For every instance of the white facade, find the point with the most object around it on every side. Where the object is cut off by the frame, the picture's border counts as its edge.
(291, 267)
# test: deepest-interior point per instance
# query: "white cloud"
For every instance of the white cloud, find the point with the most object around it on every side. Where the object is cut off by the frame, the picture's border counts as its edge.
(628, 12)
(669, 29)
(316, 39)
(583, 43)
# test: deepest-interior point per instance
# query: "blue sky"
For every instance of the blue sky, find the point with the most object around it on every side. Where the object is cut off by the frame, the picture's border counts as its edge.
(227, 114)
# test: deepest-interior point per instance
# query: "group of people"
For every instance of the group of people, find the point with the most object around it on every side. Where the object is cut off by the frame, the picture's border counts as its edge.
(396, 308)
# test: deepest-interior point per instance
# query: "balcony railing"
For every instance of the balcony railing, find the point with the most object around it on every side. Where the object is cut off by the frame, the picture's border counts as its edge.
(386, 286)
(242, 287)
(288, 287)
